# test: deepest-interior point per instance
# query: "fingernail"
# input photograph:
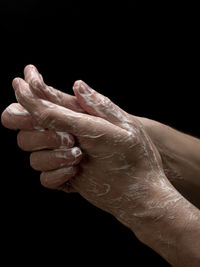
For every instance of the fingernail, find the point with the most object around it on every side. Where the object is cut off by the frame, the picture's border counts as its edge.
(38, 128)
(83, 88)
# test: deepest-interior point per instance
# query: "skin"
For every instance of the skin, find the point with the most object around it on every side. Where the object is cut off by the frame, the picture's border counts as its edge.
(121, 171)
(181, 166)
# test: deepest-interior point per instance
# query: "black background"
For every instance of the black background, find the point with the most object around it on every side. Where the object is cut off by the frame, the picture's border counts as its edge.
(145, 58)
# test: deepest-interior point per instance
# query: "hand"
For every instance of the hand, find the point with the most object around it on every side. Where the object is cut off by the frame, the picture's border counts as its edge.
(121, 169)
(16, 117)
(52, 150)
(57, 160)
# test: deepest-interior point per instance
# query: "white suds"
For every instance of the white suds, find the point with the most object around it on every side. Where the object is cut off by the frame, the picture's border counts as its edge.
(38, 128)
(47, 103)
(107, 190)
(91, 136)
(65, 139)
(76, 152)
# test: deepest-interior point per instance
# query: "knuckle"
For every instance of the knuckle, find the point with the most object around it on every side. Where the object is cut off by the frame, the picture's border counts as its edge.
(107, 99)
(105, 103)
(45, 118)
(134, 140)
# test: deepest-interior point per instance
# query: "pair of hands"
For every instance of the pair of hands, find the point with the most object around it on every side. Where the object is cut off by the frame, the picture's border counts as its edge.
(114, 164)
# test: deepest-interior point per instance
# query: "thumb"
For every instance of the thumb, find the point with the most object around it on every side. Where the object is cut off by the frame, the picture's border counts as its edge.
(99, 105)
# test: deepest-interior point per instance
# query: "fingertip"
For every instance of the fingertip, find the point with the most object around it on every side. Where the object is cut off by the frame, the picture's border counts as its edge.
(77, 83)
(24, 95)
(86, 97)
(43, 179)
(15, 83)
(54, 179)
(77, 86)
(28, 67)
(18, 82)
(82, 89)
(6, 121)
(3, 121)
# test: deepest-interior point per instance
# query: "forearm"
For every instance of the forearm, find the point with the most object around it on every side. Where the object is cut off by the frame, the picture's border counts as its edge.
(170, 225)
(180, 155)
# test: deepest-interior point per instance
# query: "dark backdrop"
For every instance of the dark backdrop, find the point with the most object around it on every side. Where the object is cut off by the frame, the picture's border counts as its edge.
(145, 58)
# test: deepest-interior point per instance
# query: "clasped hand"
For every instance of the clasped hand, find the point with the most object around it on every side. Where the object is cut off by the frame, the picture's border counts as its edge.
(114, 165)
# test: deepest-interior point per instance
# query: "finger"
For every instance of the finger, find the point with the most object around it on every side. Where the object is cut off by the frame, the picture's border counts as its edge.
(35, 80)
(55, 159)
(53, 117)
(38, 140)
(99, 105)
(56, 178)
(16, 117)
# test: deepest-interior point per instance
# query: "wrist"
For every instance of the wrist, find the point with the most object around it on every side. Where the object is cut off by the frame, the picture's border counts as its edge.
(158, 213)
(153, 211)
(170, 225)
(152, 127)
(180, 157)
